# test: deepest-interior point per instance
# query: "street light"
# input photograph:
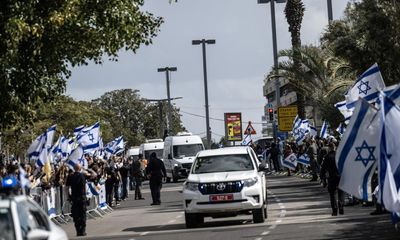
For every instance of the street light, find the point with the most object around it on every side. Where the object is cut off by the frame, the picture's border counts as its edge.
(167, 70)
(275, 51)
(203, 42)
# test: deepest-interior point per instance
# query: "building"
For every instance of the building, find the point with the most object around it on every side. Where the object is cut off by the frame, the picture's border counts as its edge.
(287, 97)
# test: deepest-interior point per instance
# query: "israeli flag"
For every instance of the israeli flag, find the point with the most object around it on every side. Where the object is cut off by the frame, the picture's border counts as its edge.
(36, 146)
(357, 153)
(89, 138)
(345, 111)
(55, 153)
(367, 86)
(42, 158)
(296, 122)
(313, 131)
(304, 159)
(324, 130)
(290, 162)
(65, 148)
(340, 129)
(119, 145)
(389, 163)
(75, 157)
(300, 130)
(77, 130)
(247, 141)
(46, 139)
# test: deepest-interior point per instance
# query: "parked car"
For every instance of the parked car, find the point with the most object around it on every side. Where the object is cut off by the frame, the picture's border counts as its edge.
(22, 218)
(225, 182)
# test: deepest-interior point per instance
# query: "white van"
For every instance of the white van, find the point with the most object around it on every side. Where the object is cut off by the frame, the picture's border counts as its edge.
(133, 153)
(152, 145)
(179, 153)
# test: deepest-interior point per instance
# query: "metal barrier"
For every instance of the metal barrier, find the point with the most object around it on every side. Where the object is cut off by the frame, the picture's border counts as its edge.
(55, 203)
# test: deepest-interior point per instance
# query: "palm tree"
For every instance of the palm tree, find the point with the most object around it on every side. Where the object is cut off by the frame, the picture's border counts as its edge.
(294, 12)
(320, 77)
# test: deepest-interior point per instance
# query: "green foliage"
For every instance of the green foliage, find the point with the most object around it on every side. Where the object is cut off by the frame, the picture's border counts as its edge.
(39, 40)
(135, 118)
(369, 33)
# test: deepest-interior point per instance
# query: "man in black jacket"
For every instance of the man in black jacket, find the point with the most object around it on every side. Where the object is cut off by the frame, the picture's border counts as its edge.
(156, 171)
(77, 183)
(330, 172)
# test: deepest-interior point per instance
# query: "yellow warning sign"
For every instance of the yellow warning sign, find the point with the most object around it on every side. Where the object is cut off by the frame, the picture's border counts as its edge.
(286, 116)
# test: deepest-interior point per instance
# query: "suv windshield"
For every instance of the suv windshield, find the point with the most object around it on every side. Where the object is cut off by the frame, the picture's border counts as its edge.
(223, 163)
(189, 150)
(6, 224)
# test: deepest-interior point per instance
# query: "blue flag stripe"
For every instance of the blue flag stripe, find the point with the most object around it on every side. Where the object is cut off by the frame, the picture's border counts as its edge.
(353, 135)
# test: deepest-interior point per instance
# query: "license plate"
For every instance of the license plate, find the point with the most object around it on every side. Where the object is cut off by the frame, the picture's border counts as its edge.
(218, 198)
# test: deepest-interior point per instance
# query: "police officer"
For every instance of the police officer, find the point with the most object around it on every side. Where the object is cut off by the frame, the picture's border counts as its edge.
(77, 184)
(330, 172)
(156, 171)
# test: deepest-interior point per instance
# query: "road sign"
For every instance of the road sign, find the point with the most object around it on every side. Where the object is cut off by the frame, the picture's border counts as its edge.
(250, 130)
(286, 116)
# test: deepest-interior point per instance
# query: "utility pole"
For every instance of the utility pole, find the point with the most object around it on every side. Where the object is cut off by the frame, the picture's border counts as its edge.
(167, 70)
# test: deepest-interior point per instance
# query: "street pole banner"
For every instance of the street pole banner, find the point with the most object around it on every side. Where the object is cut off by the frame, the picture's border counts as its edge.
(233, 126)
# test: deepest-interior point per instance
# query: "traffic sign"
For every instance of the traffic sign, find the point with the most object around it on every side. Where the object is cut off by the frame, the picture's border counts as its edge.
(286, 116)
(250, 130)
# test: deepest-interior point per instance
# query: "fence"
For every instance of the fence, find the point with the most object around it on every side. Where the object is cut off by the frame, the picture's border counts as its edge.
(54, 202)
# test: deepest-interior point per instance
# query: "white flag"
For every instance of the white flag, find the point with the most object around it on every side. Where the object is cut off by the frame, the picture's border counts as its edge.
(358, 151)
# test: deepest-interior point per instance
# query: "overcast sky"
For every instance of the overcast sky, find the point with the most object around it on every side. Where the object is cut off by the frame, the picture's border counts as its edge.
(236, 64)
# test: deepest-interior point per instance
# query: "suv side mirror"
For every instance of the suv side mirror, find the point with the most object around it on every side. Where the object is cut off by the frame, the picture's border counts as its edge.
(262, 167)
(36, 234)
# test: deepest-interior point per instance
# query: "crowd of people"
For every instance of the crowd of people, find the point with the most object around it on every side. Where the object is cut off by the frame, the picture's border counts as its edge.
(322, 167)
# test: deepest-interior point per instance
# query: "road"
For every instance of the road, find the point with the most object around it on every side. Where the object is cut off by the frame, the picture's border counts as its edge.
(297, 209)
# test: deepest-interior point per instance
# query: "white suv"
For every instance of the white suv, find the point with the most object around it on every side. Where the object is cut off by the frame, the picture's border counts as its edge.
(225, 182)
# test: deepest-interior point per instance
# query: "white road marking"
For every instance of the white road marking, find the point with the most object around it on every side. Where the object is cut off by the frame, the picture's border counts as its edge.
(265, 233)
(278, 221)
(144, 233)
(272, 226)
(258, 238)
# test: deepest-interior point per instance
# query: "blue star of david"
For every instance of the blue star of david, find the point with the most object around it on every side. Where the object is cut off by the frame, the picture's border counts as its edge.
(91, 138)
(363, 87)
(370, 157)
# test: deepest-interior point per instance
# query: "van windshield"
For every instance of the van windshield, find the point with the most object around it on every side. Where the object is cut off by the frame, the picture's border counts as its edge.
(189, 150)
(223, 163)
(159, 153)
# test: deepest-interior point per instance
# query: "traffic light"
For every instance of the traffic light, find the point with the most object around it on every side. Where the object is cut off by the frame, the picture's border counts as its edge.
(271, 114)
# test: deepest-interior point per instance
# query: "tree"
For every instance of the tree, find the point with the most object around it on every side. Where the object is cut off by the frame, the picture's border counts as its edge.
(41, 39)
(294, 12)
(320, 77)
(133, 117)
(368, 33)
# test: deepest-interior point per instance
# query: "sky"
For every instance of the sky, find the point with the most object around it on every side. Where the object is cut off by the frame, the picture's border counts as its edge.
(236, 64)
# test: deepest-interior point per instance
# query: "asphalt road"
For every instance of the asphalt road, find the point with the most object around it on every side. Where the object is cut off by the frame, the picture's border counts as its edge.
(297, 209)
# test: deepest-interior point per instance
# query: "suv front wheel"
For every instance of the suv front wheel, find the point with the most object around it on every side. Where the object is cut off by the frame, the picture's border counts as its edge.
(259, 215)
(192, 220)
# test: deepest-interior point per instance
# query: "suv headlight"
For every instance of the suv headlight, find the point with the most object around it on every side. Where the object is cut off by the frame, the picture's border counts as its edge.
(191, 186)
(250, 182)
